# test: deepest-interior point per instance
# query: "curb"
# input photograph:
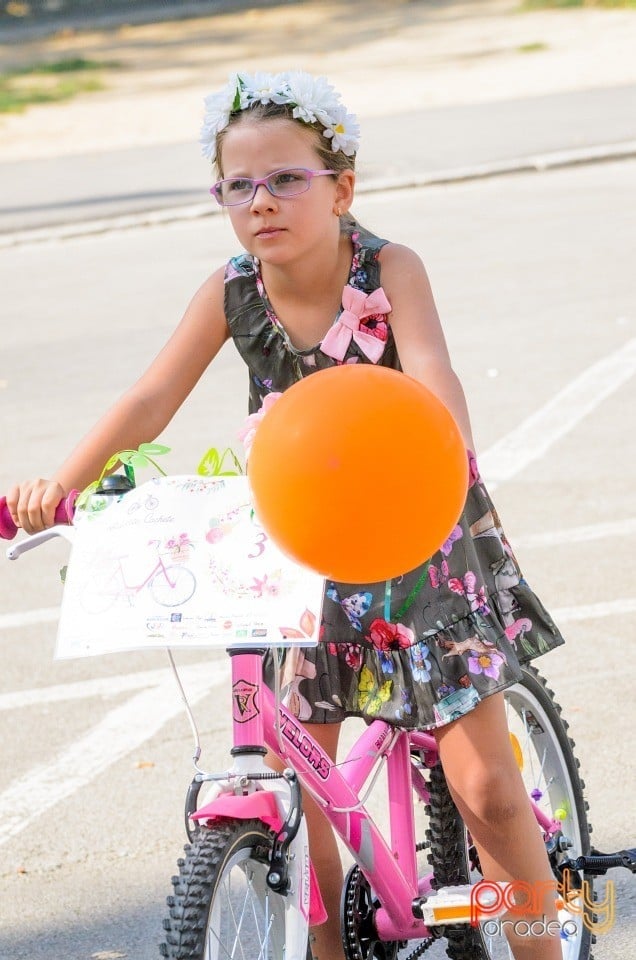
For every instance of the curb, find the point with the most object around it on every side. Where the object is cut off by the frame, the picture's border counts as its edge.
(538, 163)
(109, 15)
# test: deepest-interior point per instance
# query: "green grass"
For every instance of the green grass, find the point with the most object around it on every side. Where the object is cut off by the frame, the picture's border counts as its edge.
(535, 47)
(49, 83)
(559, 4)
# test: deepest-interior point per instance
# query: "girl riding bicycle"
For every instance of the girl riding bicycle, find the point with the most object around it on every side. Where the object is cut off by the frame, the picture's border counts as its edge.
(436, 650)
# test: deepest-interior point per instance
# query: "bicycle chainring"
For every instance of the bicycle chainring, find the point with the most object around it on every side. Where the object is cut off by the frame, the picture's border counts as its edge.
(359, 936)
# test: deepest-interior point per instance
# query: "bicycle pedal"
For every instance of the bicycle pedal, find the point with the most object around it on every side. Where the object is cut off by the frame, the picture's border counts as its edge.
(457, 905)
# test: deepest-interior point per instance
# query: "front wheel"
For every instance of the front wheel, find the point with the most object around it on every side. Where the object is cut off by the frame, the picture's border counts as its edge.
(549, 768)
(222, 906)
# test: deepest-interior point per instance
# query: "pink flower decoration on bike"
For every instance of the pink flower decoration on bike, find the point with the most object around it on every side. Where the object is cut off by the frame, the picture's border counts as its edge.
(357, 305)
(473, 469)
(248, 431)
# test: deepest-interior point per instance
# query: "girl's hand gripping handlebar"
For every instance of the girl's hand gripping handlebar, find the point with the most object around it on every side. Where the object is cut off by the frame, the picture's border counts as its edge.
(63, 514)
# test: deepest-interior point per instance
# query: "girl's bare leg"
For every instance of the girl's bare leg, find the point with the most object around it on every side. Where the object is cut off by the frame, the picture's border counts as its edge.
(326, 941)
(488, 791)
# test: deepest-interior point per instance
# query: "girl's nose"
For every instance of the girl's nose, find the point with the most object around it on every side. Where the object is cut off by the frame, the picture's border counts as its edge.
(263, 199)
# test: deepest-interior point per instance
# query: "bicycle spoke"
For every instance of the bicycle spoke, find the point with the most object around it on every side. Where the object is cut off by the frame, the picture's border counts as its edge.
(244, 919)
(238, 926)
(263, 944)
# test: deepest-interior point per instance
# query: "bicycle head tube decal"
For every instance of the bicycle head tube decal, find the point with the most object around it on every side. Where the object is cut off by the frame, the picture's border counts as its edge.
(244, 706)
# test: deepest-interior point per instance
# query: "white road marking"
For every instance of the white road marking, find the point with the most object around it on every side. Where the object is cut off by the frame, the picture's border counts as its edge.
(592, 531)
(85, 689)
(594, 611)
(538, 432)
(25, 618)
(119, 733)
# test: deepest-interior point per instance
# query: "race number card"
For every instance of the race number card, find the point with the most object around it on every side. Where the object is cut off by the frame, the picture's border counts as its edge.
(183, 562)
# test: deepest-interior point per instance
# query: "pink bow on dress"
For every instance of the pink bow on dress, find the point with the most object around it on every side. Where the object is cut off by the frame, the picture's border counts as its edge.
(357, 305)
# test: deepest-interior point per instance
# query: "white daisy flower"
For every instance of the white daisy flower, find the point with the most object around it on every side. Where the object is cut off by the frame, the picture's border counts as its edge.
(260, 87)
(312, 100)
(344, 131)
(218, 107)
(313, 97)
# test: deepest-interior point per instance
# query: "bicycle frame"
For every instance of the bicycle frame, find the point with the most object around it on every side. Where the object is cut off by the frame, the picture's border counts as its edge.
(390, 868)
(159, 567)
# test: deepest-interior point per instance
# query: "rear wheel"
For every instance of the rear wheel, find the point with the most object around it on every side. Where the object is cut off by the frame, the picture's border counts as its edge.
(172, 586)
(222, 906)
(549, 768)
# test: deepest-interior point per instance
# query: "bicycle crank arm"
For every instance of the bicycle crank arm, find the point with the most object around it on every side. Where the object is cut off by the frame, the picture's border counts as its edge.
(599, 863)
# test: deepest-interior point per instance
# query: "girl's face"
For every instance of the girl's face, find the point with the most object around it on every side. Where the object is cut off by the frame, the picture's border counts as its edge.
(274, 229)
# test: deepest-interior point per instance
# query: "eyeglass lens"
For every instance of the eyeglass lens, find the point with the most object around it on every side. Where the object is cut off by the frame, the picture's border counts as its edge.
(282, 183)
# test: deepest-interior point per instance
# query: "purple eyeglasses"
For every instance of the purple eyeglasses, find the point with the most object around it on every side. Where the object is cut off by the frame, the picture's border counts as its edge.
(282, 183)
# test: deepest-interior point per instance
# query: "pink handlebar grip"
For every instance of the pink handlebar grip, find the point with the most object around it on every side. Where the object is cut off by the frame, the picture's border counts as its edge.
(63, 514)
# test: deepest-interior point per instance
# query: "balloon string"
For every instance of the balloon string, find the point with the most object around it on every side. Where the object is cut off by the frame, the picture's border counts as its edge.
(387, 600)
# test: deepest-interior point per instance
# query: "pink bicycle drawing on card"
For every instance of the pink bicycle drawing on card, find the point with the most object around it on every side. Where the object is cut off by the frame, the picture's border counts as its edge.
(171, 584)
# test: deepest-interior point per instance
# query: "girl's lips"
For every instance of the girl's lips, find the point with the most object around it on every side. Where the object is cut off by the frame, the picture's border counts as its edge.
(269, 232)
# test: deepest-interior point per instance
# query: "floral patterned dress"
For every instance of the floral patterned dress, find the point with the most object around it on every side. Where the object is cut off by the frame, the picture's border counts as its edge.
(425, 648)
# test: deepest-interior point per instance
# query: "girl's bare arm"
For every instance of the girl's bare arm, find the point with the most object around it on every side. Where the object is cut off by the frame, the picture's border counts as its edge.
(140, 414)
(418, 332)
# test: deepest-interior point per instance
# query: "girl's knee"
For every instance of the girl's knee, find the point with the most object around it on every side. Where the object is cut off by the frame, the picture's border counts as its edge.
(486, 792)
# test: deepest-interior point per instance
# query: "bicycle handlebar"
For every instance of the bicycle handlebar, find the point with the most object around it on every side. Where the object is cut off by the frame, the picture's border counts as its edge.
(63, 514)
(64, 530)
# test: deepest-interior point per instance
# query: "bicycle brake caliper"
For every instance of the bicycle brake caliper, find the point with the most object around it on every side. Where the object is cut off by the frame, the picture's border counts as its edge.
(278, 874)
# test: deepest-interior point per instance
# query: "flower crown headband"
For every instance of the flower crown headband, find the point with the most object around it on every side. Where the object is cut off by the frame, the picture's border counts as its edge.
(312, 99)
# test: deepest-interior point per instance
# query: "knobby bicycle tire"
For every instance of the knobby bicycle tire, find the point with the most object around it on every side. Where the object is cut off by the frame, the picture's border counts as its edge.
(451, 856)
(221, 887)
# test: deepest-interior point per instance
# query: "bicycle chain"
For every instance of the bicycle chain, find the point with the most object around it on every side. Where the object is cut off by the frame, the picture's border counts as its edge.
(421, 950)
(355, 884)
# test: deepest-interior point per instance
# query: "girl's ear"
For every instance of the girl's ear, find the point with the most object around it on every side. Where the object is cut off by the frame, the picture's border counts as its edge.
(345, 186)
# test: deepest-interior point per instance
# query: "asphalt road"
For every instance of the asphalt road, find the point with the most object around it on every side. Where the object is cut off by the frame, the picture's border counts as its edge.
(53, 191)
(534, 279)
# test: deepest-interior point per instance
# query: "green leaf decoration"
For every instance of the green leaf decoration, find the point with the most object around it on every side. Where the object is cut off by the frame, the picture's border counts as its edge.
(131, 460)
(209, 465)
(83, 498)
(213, 464)
(153, 449)
(139, 459)
(63, 573)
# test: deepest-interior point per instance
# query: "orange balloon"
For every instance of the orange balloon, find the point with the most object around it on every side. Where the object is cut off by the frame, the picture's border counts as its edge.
(358, 472)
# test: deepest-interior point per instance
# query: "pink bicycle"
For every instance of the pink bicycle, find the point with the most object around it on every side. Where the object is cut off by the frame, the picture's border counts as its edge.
(246, 886)
(169, 584)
